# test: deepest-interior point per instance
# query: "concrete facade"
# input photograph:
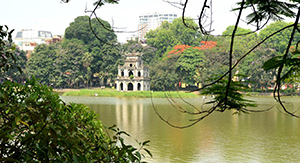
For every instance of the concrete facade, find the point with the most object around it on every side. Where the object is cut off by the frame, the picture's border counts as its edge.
(133, 75)
(152, 21)
(28, 39)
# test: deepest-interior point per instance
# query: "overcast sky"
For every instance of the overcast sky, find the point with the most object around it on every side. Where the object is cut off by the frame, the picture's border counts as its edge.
(54, 16)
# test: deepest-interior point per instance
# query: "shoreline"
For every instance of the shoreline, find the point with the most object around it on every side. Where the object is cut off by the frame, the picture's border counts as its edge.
(108, 92)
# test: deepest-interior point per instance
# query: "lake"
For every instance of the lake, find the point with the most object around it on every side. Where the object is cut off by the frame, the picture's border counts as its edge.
(221, 137)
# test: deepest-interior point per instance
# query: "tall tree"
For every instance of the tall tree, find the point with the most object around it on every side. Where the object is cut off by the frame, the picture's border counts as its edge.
(100, 42)
(261, 12)
(168, 35)
(82, 29)
(41, 63)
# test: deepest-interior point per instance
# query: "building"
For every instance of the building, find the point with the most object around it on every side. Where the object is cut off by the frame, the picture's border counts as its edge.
(28, 39)
(152, 21)
(133, 75)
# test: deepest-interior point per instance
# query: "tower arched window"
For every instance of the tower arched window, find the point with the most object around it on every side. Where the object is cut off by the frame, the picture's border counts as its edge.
(130, 73)
(130, 87)
(121, 86)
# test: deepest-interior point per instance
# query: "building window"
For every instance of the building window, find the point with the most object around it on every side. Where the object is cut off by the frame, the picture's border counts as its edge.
(139, 74)
(130, 87)
(130, 65)
(130, 73)
(122, 73)
(121, 86)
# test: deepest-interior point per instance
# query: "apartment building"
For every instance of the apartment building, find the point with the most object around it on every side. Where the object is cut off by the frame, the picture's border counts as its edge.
(28, 39)
(152, 21)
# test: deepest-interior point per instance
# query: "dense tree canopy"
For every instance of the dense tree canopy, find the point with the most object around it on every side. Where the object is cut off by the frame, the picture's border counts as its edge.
(37, 126)
(81, 29)
(170, 34)
(272, 51)
(80, 59)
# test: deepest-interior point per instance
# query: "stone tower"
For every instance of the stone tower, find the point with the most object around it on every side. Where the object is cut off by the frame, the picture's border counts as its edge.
(133, 75)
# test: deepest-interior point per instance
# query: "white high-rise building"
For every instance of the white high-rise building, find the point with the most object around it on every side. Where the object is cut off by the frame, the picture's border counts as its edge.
(28, 39)
(152, 21)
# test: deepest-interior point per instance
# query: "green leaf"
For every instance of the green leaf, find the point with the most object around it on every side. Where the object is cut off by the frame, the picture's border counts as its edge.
(273, 63)
(149, 153)
(8, 160)
(145, 142)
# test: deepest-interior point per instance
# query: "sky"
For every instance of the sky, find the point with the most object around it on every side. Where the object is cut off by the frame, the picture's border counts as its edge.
(54, 16)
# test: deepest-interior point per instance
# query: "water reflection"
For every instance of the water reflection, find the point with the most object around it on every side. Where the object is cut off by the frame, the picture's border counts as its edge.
(222, 137)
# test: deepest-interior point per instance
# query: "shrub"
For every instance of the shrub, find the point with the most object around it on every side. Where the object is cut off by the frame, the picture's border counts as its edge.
(36, 125)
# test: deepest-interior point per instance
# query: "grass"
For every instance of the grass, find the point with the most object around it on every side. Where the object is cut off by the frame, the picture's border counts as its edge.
(139, 94)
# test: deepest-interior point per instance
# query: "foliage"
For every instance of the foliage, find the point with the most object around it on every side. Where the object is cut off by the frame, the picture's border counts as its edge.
(239, 31)
(280, 40)
(76, 61)
(178, 49)
(7, 51)
(105, 62)
(37, 126)
(80, 29)
(243, 48)
(234, 100)
(163, 76)
(41, 63)
(170, 34)
(188, 62)
(161, 39)
(148, 52)
(191, 63)
(101, 44)
(21, 59)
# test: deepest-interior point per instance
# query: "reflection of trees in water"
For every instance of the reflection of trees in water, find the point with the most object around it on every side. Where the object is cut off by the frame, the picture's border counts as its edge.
(217, 139)
(129, 113)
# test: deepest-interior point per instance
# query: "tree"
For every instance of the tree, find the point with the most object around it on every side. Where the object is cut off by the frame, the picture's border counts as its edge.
(261, 12)
(280, 40)
(37, 126)
(163, 76)
(87, 60)
(170, 34)
(148, 52)
(161, 39)
(105, 62)
(9, 55)
(185, 35)
(41, 63)
(81, 29)
(100, 42)
(188, 62)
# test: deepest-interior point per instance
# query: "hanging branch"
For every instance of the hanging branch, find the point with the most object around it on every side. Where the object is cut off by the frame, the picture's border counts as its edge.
(278, 78)
(231, 51)
(240, 59)
(229, 73)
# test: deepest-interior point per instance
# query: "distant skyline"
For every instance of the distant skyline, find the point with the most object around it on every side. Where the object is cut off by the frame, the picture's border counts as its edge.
(54, 16)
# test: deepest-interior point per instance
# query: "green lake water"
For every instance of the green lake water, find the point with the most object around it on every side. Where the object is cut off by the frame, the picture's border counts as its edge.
(222, 137)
